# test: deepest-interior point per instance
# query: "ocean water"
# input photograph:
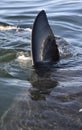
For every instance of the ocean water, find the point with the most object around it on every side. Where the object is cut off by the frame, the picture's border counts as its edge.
(39, 100)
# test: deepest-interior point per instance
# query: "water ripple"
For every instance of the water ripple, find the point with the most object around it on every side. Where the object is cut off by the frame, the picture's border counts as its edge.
(44, 95)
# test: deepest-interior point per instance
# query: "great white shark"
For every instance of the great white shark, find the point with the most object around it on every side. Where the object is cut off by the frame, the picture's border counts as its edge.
(44, 47)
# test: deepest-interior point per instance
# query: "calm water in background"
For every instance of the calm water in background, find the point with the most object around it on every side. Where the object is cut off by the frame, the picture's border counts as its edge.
(51, 100)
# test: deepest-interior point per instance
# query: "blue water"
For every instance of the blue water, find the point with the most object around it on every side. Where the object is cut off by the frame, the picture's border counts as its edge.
(40, 101)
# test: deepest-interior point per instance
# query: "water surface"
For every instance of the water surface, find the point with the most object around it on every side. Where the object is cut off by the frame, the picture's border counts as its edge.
(36, 100)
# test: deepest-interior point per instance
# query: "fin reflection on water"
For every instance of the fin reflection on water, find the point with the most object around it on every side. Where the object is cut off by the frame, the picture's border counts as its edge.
(42, 85)
(42, 88)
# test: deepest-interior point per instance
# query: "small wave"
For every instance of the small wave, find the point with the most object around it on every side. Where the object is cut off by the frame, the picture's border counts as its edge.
(5, 26)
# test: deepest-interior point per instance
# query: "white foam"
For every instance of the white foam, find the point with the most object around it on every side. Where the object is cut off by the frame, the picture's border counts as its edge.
(24, 61)
(7, 27)
(80, 110)
(3, 28)
(28, 29)
(23, 58)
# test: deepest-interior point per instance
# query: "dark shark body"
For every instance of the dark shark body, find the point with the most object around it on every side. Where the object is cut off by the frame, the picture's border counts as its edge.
(44, 48)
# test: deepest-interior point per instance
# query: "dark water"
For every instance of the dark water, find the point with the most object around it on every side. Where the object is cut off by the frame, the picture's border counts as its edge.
(32, 100)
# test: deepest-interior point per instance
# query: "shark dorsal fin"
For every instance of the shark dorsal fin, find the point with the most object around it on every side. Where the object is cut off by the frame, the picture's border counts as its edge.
(40, 33)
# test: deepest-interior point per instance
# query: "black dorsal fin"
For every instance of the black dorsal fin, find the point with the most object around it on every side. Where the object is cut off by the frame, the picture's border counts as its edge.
(40, 33)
